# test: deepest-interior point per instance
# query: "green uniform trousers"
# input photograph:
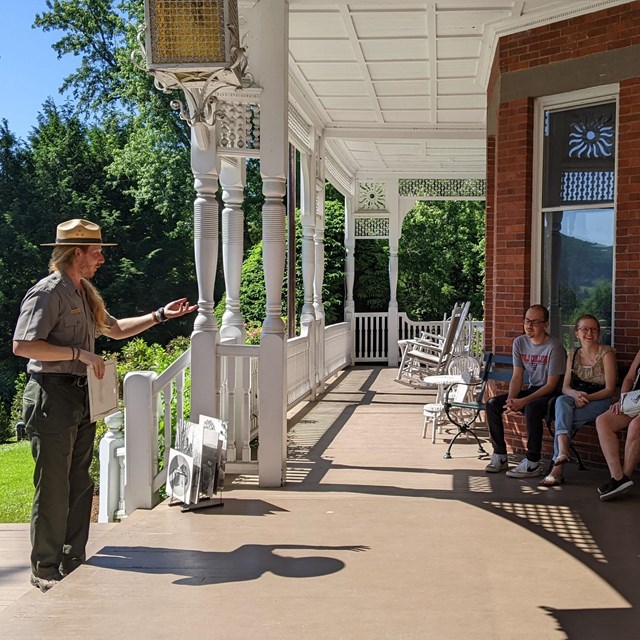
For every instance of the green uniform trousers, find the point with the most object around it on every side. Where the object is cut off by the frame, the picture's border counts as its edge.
(56, 415)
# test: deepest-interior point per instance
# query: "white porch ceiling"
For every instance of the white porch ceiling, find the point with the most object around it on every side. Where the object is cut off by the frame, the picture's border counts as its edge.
(399, 86)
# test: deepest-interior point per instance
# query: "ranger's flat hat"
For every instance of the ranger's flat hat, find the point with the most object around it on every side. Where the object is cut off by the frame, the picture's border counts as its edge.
(77, 232)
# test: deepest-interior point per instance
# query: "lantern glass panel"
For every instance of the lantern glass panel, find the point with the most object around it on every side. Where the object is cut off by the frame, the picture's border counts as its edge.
(187, 32)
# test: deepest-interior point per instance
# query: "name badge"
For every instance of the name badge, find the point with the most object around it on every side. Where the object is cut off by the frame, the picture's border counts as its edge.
(75, 310)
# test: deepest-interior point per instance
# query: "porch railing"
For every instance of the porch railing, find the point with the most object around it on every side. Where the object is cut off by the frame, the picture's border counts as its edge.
(299, 383)
(371, 331)
(337, 348)
(154, 404)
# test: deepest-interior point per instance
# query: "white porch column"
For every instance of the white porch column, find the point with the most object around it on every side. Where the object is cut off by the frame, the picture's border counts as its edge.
(308, 219)
(272, 72)
(232, 179)
(318, 281)
(350, 269)
(234, 397)
(350, 259)
(394, 238)
(204, 339)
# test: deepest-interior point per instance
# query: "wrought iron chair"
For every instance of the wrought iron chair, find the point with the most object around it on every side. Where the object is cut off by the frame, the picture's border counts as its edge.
(464, 413)
(468, 368)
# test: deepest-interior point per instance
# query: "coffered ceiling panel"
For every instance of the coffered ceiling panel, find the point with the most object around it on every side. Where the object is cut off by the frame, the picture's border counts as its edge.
(399, 86)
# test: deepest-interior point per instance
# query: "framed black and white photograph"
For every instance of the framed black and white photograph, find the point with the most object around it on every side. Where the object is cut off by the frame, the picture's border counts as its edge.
(179, 474)
(216, 426)
(184, 437)
(196, 453)
(210, 455)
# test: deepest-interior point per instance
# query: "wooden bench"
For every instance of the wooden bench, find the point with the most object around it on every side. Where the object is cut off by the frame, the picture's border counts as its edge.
(502, 369)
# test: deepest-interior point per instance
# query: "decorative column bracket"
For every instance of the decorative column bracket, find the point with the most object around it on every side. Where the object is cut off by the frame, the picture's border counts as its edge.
(201, 89)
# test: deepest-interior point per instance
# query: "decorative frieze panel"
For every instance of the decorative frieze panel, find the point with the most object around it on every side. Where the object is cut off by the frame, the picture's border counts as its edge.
(372, 196)
(299, 127)
(238, 123)
(371, 227)
(338, 173)
(588, 186)
(434, 188)
(319, 201)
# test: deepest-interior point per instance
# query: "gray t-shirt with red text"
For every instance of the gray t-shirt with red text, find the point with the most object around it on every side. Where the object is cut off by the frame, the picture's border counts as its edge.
(539, 360)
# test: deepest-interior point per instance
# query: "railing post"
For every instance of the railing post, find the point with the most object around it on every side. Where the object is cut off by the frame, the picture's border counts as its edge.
(392, 334)
(140, 436)
(110, 467)
(308, 329)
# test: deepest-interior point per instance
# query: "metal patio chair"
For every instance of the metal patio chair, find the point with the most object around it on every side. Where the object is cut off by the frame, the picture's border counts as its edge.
(468, 368)
(463, 414)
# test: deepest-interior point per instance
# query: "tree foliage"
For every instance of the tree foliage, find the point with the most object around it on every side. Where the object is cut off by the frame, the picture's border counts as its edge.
(116, 154)
(252, 288)
(371, 285)
(441, 259)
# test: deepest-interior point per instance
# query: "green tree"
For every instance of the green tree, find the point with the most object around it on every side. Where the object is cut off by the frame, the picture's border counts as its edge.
(252, 289)
(334, 263)
(371, 284)
(441, 259)
(20, 259)
(7, 430)
(599, 302)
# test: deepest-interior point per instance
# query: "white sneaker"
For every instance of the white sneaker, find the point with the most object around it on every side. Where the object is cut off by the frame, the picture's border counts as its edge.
(525, 469)
(498, 463)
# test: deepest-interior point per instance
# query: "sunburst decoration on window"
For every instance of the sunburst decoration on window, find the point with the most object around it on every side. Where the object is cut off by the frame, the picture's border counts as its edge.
(591, 138)
(372, 196)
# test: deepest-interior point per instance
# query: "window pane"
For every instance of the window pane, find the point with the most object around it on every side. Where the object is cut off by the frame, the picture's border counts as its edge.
(579, 156)
(577, 272)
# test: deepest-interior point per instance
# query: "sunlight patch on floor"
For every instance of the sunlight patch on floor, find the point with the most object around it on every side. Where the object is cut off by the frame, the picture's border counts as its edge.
(559, 520)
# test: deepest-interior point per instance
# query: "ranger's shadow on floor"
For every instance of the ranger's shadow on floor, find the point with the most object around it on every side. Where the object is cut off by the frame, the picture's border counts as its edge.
(248, 562)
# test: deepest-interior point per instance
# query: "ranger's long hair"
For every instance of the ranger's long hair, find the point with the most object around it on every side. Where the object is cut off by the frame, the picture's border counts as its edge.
(61, 260)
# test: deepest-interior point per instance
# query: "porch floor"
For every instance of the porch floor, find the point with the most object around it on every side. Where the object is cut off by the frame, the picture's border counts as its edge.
(375, 536)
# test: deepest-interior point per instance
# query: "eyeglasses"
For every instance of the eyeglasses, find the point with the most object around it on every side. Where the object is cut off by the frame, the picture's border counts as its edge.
(532, 323)
(589, 329)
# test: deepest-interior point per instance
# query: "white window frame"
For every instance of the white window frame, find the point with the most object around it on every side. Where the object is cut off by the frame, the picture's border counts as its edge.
(561, 101)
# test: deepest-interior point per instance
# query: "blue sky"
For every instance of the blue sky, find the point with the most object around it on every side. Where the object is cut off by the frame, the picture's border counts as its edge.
(30, 71)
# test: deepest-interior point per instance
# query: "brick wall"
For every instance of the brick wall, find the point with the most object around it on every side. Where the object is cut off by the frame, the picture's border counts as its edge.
(616, 27)
(489, 284)
(511, 246)
(627, 291)
(509, 180)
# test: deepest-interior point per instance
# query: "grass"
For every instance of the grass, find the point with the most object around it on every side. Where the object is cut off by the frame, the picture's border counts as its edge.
(16, 488)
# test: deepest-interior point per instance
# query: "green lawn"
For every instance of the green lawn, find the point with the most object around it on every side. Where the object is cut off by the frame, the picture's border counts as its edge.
(16, 486)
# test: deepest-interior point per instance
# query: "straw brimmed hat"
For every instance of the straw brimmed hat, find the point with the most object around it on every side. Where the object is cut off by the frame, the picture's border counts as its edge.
(77, 232)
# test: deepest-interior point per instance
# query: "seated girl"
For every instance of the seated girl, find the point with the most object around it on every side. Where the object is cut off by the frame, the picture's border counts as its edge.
(608, 425)
(588, 387)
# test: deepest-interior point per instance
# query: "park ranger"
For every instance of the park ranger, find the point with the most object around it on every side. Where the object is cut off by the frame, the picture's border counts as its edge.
(60, 318)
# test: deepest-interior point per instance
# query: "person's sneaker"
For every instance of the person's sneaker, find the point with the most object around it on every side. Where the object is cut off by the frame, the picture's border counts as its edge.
(614, 488)
(525, 469)
(498, 463)
(44, 584)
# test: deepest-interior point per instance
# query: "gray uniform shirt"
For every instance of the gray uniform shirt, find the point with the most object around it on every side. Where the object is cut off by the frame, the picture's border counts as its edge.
(54, 311)
(539, 360)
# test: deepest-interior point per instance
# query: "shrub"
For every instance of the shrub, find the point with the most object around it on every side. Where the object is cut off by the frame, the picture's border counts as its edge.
(7, 430)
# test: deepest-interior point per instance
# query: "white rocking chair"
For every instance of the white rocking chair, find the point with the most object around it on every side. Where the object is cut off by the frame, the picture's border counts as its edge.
(430, 354)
